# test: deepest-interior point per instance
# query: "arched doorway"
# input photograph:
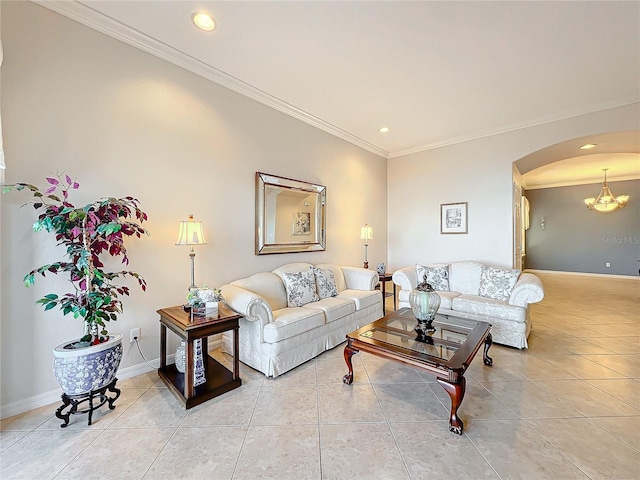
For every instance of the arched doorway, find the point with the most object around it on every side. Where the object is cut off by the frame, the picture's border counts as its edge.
(563, 235)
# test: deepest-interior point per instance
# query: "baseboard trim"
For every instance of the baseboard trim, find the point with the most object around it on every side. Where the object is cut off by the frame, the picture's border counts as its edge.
(583, 274)
(53, 396)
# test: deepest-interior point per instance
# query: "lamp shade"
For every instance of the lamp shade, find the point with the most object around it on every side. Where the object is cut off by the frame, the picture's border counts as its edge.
(190, 233)
(366, 233)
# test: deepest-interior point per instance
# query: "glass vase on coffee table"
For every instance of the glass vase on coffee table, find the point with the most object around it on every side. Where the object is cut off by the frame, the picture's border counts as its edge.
(424, 302)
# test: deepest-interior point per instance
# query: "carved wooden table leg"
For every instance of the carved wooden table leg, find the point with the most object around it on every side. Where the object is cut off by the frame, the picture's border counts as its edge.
(456, 392)
(487, 344)
(348, 353)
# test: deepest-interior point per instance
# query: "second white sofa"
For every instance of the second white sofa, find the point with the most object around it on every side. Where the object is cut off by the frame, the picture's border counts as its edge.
(298, 311)
(479, 292)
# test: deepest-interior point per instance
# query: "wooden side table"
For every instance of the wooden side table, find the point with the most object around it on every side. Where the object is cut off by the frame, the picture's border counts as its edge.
(384, 278)
(189, 328)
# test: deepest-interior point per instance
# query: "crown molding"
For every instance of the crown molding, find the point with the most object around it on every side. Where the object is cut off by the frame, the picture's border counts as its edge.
(95, 20)
(564, 116)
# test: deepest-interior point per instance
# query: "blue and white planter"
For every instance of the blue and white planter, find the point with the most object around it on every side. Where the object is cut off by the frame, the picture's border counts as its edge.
(83, 370)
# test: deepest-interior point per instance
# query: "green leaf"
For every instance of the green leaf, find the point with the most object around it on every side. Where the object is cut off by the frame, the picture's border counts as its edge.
(49, 306)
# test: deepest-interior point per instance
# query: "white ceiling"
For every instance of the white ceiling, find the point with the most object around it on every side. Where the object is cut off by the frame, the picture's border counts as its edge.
(435, 73)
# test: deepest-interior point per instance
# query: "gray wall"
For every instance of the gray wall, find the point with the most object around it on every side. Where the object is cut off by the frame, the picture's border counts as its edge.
(576, 239)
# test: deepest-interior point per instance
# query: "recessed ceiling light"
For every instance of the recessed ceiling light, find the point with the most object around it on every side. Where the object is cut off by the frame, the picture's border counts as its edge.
(588, 146)
(383, 129)
(203, 21)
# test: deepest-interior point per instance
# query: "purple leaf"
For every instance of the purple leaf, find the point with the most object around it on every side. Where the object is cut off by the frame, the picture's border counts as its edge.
(68, 179)
(50, 189)
(52, 181)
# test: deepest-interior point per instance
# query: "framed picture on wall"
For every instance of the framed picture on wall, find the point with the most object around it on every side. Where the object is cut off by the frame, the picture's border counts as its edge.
(301, 223)
(453, 217)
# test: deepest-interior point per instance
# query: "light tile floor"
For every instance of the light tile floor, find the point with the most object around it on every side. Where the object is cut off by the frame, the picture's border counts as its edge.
(566, 408)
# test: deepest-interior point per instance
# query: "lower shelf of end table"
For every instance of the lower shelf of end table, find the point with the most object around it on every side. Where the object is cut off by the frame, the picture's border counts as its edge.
(219, 380)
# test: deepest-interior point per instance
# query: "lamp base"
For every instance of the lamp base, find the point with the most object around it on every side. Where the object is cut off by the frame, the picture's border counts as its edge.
(366, 265)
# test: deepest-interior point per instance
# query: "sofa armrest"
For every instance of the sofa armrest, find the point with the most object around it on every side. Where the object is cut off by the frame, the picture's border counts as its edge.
(527, 290)
(406, 278)
(360, 278)
(249, 304)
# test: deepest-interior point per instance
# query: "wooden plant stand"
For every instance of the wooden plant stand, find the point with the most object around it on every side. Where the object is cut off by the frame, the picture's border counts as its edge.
(76, 400)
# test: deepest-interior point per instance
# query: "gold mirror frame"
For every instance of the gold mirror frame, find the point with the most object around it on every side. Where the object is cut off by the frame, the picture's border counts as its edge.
(290, 215)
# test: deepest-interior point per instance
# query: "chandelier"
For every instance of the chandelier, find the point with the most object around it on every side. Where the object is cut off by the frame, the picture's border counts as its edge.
(606, 202)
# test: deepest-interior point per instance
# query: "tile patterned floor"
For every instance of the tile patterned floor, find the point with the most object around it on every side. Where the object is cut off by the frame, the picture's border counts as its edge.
(566, 408)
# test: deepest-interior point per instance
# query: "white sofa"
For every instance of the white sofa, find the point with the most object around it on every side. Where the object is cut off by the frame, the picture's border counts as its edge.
(471, 294)
(276, 337)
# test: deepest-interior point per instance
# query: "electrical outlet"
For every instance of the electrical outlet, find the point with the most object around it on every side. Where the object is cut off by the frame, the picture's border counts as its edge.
(608, 264)
(133, 334)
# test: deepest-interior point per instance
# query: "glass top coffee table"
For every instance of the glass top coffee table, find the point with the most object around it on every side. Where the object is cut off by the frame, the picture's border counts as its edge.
(446, 351)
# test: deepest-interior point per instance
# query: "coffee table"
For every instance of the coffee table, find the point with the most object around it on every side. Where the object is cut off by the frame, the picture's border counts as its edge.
(446, 352)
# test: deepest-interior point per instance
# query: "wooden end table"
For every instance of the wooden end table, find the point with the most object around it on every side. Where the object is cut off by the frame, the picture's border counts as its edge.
(445, 352)
(384, 278)
(189, 328)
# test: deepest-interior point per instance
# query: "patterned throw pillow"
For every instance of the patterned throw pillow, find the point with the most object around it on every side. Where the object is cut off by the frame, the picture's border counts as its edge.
(437, 276)
(497, 283)
(325, 282)
(301, 288)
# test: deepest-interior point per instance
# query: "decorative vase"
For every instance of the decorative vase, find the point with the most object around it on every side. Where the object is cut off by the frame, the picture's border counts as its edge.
(381, 269)
(87, 369)
(424, 303)
(180, 357)
(199, 309)
(212, 307)
(198, 365)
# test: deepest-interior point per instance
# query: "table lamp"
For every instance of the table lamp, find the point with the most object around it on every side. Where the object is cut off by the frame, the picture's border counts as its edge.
(366, 234)
(191, 234)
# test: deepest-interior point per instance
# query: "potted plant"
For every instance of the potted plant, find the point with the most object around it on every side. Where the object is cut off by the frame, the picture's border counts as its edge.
(88, 233)
(201, 301)
(204, 298)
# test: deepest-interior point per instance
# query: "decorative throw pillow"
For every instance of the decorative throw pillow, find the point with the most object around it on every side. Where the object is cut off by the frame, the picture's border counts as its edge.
(325, 282)
(437, 276)
(497, 283)
(301, 288)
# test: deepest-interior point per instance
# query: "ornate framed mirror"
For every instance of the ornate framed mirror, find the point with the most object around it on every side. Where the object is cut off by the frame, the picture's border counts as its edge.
(290, 215)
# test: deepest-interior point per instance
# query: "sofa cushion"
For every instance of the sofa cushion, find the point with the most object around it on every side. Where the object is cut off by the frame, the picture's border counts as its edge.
(325, 282)
(464, 277)
(333, 307)
(488, 307)
(289, 322)
(437, 276)
(497, 283)
(446, 298)
(300, 287)
(362, 298)
(338, 275)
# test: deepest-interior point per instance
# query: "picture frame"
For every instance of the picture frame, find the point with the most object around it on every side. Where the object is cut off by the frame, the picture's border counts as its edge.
(453, 218)
(301, 223)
